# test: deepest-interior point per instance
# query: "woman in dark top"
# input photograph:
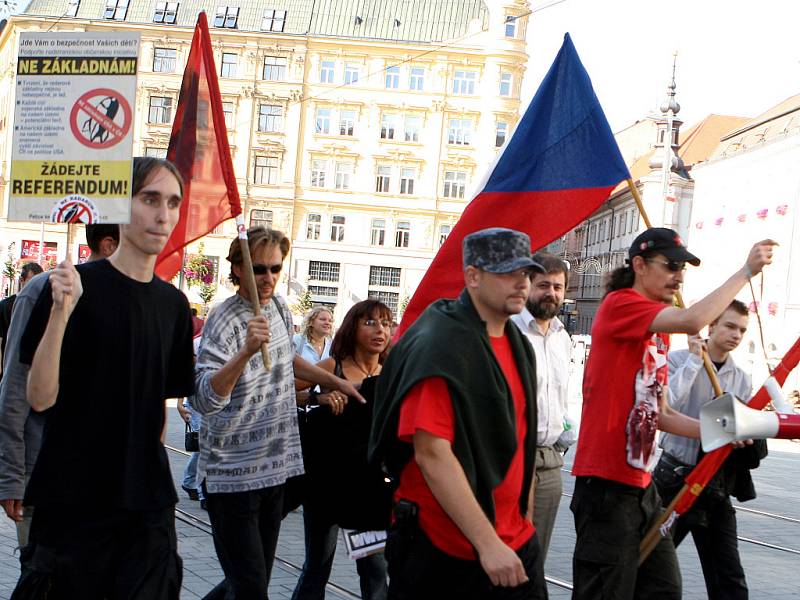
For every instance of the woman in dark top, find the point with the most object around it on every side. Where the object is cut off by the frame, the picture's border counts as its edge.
(335, 442)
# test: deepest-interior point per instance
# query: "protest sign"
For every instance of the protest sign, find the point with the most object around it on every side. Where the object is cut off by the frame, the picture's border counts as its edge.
(73, 127)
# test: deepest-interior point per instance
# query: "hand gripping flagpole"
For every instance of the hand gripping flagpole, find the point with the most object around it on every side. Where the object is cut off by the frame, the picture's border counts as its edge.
(662, 526)
(249, 281)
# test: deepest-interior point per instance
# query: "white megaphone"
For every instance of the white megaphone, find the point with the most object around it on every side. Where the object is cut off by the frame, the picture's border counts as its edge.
(726, 419)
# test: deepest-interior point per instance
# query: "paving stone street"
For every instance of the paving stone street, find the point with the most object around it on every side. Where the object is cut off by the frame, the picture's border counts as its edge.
(770, 570)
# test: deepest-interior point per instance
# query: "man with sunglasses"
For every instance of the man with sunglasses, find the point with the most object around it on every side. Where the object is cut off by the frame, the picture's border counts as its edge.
(249, 440)
(624, 402)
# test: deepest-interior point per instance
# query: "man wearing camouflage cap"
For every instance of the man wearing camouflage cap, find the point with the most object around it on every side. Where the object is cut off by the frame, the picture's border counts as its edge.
(458, 395)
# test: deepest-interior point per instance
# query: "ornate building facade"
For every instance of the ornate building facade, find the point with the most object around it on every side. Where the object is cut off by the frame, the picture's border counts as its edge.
(357, 127)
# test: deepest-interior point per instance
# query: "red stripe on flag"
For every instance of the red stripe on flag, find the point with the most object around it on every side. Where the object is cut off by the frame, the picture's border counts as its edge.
(544, 216)
(199, 148)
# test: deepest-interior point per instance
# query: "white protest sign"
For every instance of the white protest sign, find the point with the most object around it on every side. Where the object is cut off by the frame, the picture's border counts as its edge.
(73, 127)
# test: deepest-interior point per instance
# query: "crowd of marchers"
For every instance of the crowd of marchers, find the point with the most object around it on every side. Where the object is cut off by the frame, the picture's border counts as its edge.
(451, 438)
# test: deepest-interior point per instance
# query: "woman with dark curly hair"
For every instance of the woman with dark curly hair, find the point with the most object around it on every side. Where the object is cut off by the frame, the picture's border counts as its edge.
(342, 490)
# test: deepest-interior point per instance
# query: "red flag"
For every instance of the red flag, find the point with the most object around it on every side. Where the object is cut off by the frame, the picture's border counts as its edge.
(711, 462)
(199, 148)
(561, 163)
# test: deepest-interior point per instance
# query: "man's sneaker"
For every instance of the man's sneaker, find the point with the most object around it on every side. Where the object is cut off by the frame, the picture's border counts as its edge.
(191, 492)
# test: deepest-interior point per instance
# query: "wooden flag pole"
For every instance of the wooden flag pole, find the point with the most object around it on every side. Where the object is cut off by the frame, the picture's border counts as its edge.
(252, 290)
(654, 534)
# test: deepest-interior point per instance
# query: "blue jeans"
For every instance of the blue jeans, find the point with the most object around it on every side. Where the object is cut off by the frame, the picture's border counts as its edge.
(190, 471)
(320, 549)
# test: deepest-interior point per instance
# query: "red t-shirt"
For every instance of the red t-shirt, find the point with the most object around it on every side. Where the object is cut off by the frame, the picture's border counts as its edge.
(620, 335)
(428, 407)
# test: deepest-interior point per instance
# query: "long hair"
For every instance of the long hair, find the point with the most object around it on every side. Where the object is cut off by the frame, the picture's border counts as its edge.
(344, 343)
(143, 166)
(309, 319)
(624, 277)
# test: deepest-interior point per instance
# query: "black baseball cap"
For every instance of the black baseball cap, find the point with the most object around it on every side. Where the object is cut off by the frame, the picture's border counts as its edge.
(664, 241)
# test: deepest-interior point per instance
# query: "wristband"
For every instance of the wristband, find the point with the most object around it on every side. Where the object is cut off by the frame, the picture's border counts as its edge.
(747, 272)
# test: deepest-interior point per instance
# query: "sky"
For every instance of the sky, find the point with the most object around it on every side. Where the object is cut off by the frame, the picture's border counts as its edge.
(734, 57)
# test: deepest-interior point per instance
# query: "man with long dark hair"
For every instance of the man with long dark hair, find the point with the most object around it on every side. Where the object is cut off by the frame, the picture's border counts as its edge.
(108, 343)
(624, 402)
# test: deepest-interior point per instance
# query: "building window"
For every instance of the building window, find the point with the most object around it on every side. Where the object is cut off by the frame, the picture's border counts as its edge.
(227, 112)
(261, 218)
(326, 71)
(416, 80)
(383, 179)
(323, 120)
(377, 233)
(229, 62)
(273, 20)
(344, 172)
(393, 77)
(323, 271)
(72, 8)
(388, 126)
(160, 110)
(413, 125)
(327, 293)
(318, 170)
(313, 226)
(390, 299)
(116, 10)
(505, 84)
(384, 276)
(464, 82)
(444, 231)
(500, 133)
(455, 183)
(460, 132)
(265, 170)
(165, 12)
(227, 17)
(511, 26)
(402, 234)
(274, 68)
(155, 152)
(347, 121)
(164, 60)
(337, 228)
(350, 74)
(270, 118)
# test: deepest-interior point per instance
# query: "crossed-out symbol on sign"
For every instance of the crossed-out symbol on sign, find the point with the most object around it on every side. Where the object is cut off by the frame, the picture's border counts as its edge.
(94, 121)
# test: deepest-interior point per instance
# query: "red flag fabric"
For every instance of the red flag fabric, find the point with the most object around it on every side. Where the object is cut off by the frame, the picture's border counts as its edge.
(711, 462)
(199, 148)
(561, 163)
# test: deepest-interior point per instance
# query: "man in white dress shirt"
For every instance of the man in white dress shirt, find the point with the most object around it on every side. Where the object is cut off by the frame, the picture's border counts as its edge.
(552, 349)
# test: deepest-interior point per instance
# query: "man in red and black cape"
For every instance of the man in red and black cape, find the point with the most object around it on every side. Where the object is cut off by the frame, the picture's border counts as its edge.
(458, 394)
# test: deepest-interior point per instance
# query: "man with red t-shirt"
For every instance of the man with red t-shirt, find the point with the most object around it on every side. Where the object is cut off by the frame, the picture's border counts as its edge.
(624, 402)
(458, 392)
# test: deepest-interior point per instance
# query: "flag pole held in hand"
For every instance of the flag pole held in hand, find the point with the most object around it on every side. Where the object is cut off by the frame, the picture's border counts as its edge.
(249, 281)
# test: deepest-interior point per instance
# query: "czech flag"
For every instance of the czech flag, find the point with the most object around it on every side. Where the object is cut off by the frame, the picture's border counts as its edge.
(559, 166)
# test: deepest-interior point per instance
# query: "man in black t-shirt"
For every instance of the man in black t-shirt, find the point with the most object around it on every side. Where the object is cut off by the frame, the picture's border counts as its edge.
(108, 343)
(28, 272)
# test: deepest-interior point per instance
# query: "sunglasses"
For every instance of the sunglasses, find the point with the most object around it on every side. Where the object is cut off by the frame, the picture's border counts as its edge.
(672, 265)
(259, 269)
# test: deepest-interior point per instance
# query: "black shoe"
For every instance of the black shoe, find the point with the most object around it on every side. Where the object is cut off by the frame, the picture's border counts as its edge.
(203, 504)
(192, 493)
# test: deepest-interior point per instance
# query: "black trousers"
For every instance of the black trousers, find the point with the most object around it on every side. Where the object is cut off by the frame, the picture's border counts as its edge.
(246, 527)
(418, 570)
(712, 523)
(611, 519)
(101, 553)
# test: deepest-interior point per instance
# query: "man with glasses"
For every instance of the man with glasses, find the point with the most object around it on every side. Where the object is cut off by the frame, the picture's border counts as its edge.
(624, 402)
(249, 441)
(455, 419)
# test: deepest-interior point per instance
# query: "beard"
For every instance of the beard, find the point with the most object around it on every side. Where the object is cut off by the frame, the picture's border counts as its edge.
(543, 310)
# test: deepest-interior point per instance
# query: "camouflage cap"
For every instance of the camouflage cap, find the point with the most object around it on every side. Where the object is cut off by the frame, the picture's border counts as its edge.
(498, 250)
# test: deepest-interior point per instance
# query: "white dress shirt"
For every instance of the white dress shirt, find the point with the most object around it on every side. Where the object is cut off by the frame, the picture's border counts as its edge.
(552, 352)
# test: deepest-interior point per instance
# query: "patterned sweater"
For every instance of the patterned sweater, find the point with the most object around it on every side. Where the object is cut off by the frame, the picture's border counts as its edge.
(248, 440)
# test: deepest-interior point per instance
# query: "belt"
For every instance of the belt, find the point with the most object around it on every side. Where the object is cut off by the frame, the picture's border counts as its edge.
(678, 467)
